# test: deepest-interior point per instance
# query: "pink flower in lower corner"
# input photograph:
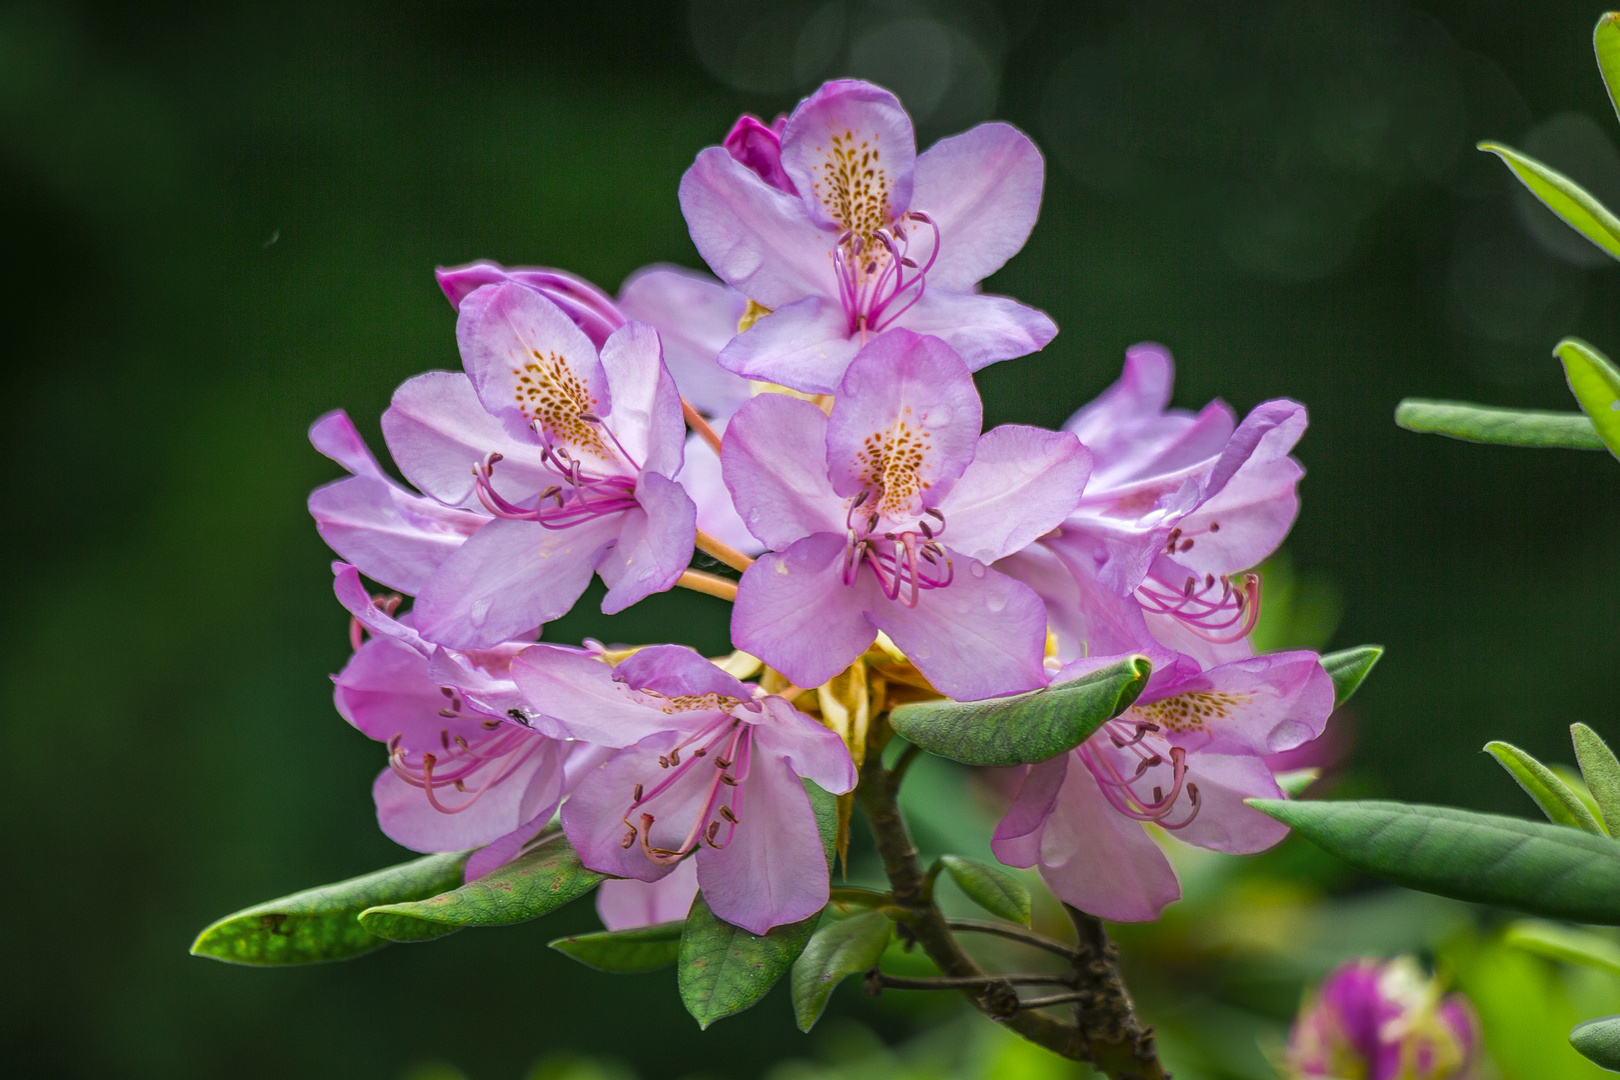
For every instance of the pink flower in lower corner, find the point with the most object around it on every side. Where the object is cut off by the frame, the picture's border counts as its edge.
(887, 515)
(835, 223)
(1384, 1020)
(464, 767)
(707, 769)
(1183, 758)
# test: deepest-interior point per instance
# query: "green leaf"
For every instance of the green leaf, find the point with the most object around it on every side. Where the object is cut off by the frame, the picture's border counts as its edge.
(1548, 870)
(1606, 43)
(1028, 727)
(1563, 196)
(323, 924)
(840, 948)
(1348, 667)
(1510, 427)
(1599, 1040)
(529, 886)
(644, 948)
(724, 969)
(996, 892)
(1572, 780)
(1559, 943)
(1600, 770)
(1295, 781)
(1560, 804)
(1596, 385)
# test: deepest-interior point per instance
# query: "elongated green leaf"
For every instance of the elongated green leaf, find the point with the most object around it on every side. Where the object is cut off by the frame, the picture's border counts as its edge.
(1599, 1040)
(324, 924)
(1563, 197)
(645, 948)
(1572, 780)
(1600, 770)
(1596, 385)
(1560, 943)
(1028, 727)
(525, 888)
(1509, 427)
(1560, 804)
(1541, 869)
(997, 892)
(841, 948)
(724, 969)
(1348, 667)
(1606, 43)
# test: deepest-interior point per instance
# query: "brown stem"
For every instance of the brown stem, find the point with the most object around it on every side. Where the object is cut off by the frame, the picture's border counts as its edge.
(1107, 1033)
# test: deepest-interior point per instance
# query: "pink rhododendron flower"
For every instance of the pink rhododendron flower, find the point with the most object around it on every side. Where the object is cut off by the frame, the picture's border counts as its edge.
(1183, 758)
(573, 453)
(706, 767)
(887, 515)
(1384, 1020)
(836, 224)
(464, 767)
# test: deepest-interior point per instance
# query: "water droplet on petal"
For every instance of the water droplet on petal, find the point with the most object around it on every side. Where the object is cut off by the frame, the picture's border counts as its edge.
(480, 609)
(996, 603)
(976, 569)
(938, 416)
(921, 651)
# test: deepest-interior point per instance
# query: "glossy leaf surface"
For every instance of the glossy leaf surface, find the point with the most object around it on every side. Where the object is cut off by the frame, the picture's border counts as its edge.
(839, 949)
(1348, 667)
(1557, 801)
(1542, 869)
(525, 888)
(1563, 197)
(997, 892)
(1024, 728)
(1600, 770)
(324, 924)
(1599, 1040)
(625, 952)
(1561, 943)
(1596, 385)
(1508, 427)
(724, 969)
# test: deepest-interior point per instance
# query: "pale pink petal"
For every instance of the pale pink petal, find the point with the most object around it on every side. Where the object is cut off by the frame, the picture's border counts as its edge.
(1088, 619)
(531, 790)
(384, 690)
(1023, 483)
(346, 585)
(1259, 705)
(654, 546)
(395, 538)
(335, 436)
(757, 239)
(983, 189)
(1017, 841)
(594, 815)
(773, 870)
(570, 694)
(811, 750)
(794, 611)
(850, 150)
(1139, 396)
(760, 148)
(982, 329)
(1223, 822)
(904, 425)
(625, 903)
(775, 464)
(437, 431)
(704, 481)
(646, 416)
(805, 345)
(531, 365)
(1101, 861)
(983, 635)
(1269, 432)
(510, 577)
(674, 671)
(1252, 516)
(695, 316)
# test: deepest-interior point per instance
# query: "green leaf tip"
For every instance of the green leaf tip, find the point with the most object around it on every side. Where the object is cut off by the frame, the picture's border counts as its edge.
(1024, 728)
(841, 948)
(1599, 1041)
(1531, 866)
(997, 892)
(1348, 667)
(1606, 43)
(1563, 196)
(323, 924)
(1501, 427)
(1561, 805)
(529, 886)
(625, 952)
(1564, 944)
(1600, 770)
(724, 969)
(1596, 385)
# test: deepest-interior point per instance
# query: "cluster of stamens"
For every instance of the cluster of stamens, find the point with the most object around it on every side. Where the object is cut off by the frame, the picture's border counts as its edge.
(725, 744)
(578, 495)
(904, 563)
(878, 280)
(1135, 755)
(1216, 608)
(497, 754)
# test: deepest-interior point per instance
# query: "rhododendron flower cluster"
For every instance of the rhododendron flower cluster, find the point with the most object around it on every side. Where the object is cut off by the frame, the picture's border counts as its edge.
(1384, 1020)
(809, 420)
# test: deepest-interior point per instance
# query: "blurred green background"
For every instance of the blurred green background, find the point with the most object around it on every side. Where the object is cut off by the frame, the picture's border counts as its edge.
(222, 220)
